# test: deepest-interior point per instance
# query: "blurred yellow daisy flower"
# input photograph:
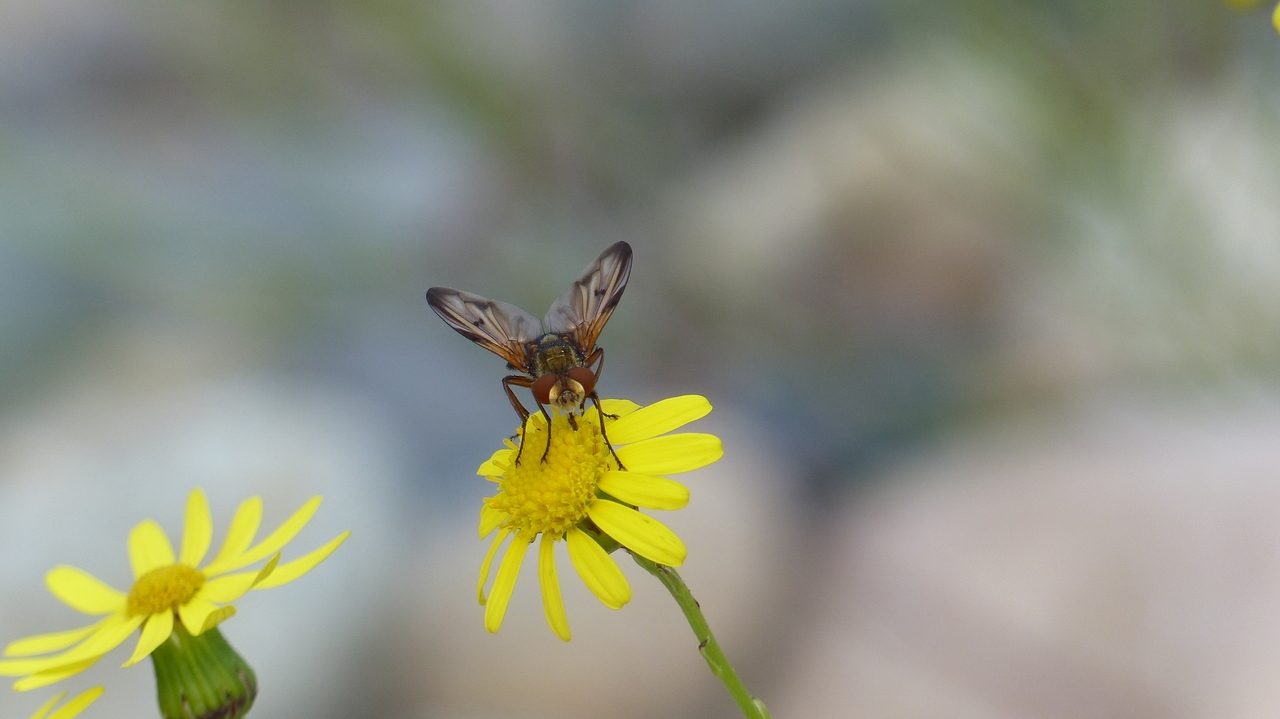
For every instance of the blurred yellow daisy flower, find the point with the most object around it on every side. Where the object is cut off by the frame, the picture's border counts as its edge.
(581, 495)
(167, 589)
(71, 708)
(1251, 4)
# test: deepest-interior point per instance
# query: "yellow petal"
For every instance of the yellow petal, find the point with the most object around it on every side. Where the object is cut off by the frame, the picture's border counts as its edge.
(267, 569)
(277, 539)
(291, 570)
(487, 564)
(154, 633)
(496, 465)
(620, 407)
(197, 529)
(645, 490)
(552, 603)
(149, 548)
(53, 676)
(658, 418)
(82, 591)
(44, 708)
(218, 617)
(240, 534)
(109, 634)
(505, 583)
(671, 454)
(78, 704)
(112, 635)
(228, 587)
(50, 642)
(597, 569)
(194, 612)
(490, 518)
(638, 532)
(1275, 18)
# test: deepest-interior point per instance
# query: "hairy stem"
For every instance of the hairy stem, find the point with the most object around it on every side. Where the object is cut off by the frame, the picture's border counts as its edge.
(707, 645)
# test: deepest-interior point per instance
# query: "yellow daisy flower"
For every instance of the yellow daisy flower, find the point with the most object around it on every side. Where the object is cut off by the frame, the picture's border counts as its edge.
(71, 708)
(581, 496)
(171, 595)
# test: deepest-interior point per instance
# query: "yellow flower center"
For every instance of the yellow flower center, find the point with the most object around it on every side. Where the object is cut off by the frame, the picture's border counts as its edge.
(163, 588)
(552, 497)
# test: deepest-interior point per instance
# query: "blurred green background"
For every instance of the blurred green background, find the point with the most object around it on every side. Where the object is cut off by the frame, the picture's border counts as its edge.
(984, 293)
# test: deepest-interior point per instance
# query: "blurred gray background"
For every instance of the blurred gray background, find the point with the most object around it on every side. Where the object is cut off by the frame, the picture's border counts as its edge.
(984, 294)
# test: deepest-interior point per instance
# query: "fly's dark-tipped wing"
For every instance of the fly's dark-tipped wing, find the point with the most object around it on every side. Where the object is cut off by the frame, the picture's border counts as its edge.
(499, 327)
(585, 307)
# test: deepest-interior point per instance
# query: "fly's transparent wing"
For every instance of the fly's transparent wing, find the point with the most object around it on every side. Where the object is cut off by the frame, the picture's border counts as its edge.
(499, 327)
(585, 307)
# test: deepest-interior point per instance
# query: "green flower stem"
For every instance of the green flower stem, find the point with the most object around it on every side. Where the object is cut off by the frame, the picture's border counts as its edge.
(707, 645)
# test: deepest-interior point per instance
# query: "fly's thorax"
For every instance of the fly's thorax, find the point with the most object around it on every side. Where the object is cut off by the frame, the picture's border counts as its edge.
(555, 355)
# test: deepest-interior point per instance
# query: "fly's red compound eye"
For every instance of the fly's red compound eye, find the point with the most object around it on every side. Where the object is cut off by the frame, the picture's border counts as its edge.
(584, 377)
(542, 388)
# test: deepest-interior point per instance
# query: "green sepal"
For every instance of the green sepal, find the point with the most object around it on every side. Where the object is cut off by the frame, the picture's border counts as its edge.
(202, 677)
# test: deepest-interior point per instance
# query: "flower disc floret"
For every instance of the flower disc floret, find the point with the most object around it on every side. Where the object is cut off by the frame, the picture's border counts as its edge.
(552, 497)
(163, 588)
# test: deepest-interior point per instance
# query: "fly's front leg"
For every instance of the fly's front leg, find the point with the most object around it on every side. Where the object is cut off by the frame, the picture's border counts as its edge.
(519, 381)
(600, 413)
(548, 417)
(597, 357)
